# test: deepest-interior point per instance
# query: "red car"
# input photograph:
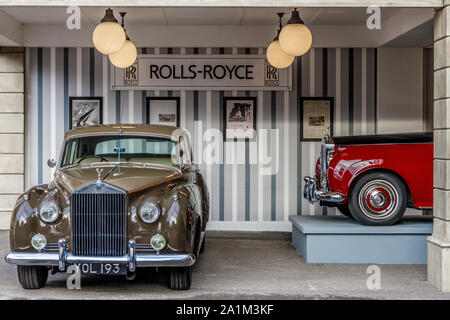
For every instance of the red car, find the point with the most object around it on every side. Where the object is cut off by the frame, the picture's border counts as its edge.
(374, 178)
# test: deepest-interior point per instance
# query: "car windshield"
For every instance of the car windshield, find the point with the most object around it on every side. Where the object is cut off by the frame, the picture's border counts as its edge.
(119, 149)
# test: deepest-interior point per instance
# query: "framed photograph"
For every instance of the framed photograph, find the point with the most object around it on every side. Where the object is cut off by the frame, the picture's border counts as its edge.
(85, 111)
(239, 118)
(163, 110)
(316, 117)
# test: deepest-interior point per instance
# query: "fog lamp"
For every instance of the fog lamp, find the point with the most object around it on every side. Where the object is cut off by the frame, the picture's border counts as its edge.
(158, 242)
(38, 241)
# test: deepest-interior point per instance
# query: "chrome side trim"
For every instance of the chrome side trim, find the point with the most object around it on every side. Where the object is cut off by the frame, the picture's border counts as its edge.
(142, 260)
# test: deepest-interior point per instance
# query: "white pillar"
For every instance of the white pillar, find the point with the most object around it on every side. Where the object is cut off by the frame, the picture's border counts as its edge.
(439, 242)
(12, 125)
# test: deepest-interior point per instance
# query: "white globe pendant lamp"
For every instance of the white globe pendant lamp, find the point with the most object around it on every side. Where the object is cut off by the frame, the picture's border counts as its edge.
(275, 55)
(295, 38)
(127, 55)
(109, 36)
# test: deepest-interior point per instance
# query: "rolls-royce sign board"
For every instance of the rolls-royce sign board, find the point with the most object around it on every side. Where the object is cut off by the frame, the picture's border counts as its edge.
(201, 72)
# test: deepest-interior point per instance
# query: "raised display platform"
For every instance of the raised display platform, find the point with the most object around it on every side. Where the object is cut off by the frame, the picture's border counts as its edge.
(332, 239)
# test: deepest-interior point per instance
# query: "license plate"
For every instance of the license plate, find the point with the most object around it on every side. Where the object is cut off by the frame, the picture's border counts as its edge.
(103, 268)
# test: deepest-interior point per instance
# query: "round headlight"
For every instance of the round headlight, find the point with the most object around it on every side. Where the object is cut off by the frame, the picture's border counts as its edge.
(149, 212)
(38, 241)
(158, 242)
(49, 211)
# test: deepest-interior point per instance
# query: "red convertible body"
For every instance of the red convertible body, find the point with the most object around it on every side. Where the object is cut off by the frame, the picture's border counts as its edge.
(374, 178)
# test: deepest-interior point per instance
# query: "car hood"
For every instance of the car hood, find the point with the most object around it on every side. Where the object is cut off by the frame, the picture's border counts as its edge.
(128, 177)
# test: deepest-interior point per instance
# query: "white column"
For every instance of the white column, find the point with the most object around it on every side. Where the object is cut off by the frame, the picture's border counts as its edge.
(286, 171)
(157, 93)
(131, 106)
(79, 73)
(183, 101)
(12, 125)
(105, 89)
(439, 242)
(52, 108)
(312, 93)
(208, 127)
(234, 177)
(337, 110)
(364, 91)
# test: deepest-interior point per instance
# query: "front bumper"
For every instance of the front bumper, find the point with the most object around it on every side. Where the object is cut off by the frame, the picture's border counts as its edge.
(313, 194)
(133, 260)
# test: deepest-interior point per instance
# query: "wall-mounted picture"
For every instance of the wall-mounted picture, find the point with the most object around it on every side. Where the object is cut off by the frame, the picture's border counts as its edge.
(85, 111)
(316, 117)
(163, 110)
(239, 117)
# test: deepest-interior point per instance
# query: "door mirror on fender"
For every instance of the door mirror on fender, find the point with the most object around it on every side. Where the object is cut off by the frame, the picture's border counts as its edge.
(51, 163)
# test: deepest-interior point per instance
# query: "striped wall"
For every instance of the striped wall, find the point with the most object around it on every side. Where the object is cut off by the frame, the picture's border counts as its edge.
(241, 199)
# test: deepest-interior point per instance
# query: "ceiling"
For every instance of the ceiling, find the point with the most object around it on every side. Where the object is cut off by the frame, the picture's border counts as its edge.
(197, 16)
(421, 36)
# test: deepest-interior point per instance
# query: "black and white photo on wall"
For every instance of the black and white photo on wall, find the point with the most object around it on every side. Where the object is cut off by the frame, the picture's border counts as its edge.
(316, 116)
(239, 119)
(85, 111)
(163, 110)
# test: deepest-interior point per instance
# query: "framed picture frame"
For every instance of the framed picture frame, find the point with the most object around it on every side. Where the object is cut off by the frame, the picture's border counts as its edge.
(84, 111)
(239, 118)
(163, 110)
(316, 115)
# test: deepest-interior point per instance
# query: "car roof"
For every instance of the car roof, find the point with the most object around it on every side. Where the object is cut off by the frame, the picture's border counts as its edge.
(135, 129)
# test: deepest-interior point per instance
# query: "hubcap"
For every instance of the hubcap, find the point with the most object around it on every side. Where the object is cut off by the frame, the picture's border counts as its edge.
(378, 199)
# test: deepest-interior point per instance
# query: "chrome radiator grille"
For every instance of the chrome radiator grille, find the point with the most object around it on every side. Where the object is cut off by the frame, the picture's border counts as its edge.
(99, 224)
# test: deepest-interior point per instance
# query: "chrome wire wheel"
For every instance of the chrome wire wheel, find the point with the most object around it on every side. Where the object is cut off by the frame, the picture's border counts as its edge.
(378, 199)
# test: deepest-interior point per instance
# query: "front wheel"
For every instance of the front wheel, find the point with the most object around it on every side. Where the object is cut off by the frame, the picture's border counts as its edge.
(32, 277)
(180, 278)
(343, 208)
(378, 199)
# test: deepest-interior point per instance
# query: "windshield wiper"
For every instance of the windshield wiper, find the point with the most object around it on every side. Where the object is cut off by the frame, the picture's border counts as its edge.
(109, 172)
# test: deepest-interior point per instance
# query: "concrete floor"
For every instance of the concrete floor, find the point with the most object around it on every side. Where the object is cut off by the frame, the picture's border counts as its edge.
(240, 266)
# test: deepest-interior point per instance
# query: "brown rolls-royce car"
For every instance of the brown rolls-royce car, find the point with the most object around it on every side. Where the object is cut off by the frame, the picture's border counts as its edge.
(123, 197)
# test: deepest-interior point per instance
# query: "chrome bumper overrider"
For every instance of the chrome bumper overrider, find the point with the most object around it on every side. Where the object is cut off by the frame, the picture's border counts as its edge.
(313, 194)
(62, 258)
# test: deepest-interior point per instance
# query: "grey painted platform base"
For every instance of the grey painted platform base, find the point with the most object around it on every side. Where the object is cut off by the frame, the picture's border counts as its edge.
(331, 239)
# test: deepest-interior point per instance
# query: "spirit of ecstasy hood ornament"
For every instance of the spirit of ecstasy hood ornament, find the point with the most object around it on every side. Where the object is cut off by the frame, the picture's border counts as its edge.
(99, 178)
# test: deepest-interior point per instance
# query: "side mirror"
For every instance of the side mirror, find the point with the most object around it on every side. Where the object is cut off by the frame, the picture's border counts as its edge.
(51, 163)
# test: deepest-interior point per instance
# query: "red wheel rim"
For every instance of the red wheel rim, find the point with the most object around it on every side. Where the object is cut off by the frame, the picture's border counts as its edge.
(378, 199)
